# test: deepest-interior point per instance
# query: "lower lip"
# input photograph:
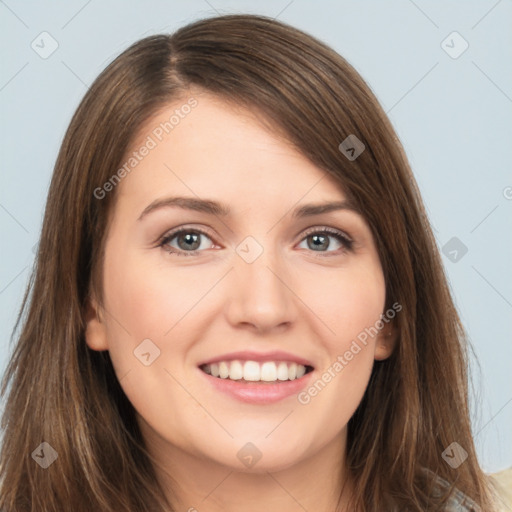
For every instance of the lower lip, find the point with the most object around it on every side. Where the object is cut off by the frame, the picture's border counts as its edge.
(257, 392)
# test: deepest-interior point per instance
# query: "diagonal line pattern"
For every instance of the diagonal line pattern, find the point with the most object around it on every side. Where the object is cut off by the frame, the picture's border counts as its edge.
(13, 217)
(75, 15)
(13, 279)
(481, 222)
(198, 301)
(199, 403)
(424, 14)
(283, 9)
(280, 423)
(14, 76)
(494, 416)
(115, 319)
(220, 219)
(126, 373)
(493, 287)
(217, 486)
(492, 81)
(14, 14)
(287, 492)
(414, 86)
(482, 18)
(212, 7)
(298, 201)
(75, 74)
(301, 300)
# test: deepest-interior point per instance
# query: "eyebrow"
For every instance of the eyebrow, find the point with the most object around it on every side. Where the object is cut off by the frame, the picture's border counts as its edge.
(218, 209)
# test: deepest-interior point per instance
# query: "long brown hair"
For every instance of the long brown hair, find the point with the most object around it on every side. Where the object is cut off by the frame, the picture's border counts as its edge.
(64, 394)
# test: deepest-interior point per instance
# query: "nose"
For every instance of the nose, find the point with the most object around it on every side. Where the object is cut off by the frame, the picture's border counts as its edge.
(260, 295)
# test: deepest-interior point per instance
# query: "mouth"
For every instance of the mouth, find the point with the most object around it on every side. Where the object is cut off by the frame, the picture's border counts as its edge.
(255, 378)
(254, 371)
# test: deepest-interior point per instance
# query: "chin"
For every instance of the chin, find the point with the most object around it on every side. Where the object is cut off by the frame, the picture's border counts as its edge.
(256, 457)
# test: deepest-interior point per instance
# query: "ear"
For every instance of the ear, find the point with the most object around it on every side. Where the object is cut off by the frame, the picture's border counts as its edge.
(95, 328)
(386, 341)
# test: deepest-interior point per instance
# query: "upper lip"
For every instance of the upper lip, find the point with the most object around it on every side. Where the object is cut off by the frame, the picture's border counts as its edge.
(247, 355)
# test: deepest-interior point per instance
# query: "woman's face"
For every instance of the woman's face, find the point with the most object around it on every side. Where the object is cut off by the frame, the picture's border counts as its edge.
(260, 294)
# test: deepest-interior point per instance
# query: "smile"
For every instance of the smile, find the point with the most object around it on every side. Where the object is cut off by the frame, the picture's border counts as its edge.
(254, 371)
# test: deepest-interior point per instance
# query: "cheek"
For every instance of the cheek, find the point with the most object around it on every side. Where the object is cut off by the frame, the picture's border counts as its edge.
(350, 306)
(137, 309)
(147, 334)
(145, 298)
(347, 302)
(146, 301)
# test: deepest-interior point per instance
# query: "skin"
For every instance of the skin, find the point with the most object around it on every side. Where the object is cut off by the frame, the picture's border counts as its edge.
(312, 303)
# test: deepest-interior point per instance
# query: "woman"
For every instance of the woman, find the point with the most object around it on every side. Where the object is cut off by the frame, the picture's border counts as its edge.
(305, 354)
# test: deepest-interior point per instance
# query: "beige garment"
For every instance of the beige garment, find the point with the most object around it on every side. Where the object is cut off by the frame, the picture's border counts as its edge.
(503, 483)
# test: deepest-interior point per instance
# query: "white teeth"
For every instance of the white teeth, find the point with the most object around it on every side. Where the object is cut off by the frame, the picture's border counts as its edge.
(301, 370)
(223, 370)
(282, 371)
(236, 371)
(268, 371)
(252, 371)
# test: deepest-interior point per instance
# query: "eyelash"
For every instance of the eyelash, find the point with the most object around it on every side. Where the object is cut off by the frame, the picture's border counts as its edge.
(346, 242)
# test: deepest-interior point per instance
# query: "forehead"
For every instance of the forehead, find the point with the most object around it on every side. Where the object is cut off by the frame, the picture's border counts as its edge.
(202, 145)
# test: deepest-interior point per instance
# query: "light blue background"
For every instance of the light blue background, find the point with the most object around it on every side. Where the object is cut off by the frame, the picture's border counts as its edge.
(452, 115)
